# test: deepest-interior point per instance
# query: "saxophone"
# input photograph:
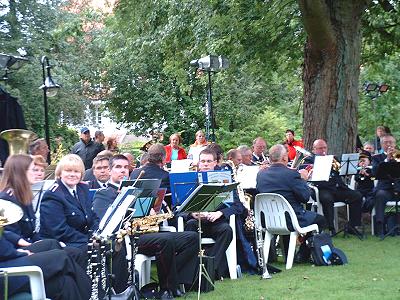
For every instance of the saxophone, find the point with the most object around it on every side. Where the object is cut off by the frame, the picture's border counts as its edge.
(244, 198)
(148, 224)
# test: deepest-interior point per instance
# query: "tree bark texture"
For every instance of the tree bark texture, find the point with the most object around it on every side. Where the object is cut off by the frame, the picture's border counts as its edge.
(331, 72)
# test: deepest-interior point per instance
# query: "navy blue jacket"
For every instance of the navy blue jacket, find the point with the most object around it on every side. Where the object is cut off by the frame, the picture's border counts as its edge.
(10, 257)
(281, 180)
(64, 218)
(153, 171)
(383, 184)
(24, 228)
(103, 199)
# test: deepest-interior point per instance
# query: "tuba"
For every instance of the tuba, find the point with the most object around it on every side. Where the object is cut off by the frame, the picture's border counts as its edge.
(18, 140)
(301, 155)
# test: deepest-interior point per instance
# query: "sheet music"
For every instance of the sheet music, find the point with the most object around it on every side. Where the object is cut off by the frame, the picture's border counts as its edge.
(182, 165)
(350, 159)
(322, 168)
(117, 210)
(247, 176)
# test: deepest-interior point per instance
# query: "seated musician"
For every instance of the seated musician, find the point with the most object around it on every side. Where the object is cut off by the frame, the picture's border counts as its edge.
(292, 185)
(365, 181)
(154, 167)
(235, 157)
(19, 174)
(63, 277)
(88, 176)
(386, 188)
(101, 172)
(335, 190)
(66, 214)
(258, 156)
(246, 153)
(176, 252)
(215, 224)
(290, 142)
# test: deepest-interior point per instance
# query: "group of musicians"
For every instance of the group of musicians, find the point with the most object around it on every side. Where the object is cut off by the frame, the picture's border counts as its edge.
(69, 217)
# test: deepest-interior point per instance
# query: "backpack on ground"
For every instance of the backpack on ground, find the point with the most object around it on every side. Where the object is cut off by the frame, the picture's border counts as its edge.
(323, 253)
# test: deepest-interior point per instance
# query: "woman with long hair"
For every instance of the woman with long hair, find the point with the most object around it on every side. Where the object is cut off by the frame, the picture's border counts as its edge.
(21, 238)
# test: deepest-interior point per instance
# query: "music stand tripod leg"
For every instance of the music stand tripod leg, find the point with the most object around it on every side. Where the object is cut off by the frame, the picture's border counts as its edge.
(202, 269)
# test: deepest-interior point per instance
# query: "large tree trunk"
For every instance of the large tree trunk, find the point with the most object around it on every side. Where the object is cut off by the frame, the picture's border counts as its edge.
(331, 71)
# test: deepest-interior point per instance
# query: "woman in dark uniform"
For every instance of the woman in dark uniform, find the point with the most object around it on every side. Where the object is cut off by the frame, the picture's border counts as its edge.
(15, 186)
(66, 214)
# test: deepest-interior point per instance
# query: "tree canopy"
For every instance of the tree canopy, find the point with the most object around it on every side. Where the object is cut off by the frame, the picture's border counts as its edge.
(136, 61)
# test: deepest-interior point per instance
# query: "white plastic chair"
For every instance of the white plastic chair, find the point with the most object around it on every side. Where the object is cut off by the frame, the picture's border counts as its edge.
(231, 255)
(271, 208)
(35, 275)
(336, 205)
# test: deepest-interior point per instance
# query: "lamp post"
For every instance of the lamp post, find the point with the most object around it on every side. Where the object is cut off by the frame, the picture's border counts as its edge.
(210, 63)
(10, 63)
(374, 90)
(50, 89)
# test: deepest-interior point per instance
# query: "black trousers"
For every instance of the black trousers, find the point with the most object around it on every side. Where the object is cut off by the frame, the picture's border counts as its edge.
(63, 277)
(381, 197)
(176, 256)
(350, 197)
(221, 232)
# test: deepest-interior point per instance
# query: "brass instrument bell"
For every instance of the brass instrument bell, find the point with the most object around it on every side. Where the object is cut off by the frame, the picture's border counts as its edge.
(9, 213)
(18, 140)
(301, 155)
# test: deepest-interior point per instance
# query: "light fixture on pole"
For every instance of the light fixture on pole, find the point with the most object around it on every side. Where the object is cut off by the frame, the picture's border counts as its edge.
(210, 63)
(374, 90)
(10, 63)
(50, 89)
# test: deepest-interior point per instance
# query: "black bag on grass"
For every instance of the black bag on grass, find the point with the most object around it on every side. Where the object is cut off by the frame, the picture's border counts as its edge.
(322, 251)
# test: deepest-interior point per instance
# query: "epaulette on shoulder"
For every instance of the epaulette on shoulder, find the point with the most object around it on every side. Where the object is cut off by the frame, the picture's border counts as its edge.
(54, 187)
(10, 192)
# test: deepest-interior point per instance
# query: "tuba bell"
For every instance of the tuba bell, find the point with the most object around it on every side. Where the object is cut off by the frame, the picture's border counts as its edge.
(301, 155)
(18, 140)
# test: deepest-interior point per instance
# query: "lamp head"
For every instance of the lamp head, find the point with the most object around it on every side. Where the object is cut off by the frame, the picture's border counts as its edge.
(211, 63)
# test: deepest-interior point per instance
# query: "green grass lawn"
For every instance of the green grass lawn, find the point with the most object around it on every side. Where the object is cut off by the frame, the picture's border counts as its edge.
(373, 272)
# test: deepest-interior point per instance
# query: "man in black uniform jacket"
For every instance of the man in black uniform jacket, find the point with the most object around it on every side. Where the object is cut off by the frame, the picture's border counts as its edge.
(386, 188)
(335, 190)
(176, 252)
(292, 185)
(215, 224)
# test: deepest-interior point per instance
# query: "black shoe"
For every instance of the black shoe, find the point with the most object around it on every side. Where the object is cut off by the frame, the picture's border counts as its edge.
(177, 293)
(164, 295)
(333, 232)
(301, 258)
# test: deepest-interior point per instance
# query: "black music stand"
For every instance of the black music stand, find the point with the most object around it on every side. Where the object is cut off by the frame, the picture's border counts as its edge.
(204, 199)
(391, 171)
(348, 166)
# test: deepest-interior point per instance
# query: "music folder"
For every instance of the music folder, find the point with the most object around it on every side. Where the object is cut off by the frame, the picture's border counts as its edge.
(117, 210)
(388, 170)
(205, 197)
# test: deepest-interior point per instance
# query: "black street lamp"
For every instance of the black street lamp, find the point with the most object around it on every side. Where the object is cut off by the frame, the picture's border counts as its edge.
(374, 90)
(210, 63)
(10, 63)
(50, 89)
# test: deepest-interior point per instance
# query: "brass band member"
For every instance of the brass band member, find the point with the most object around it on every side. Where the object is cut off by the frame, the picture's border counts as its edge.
(66, 214)
(246, 153)
(335, 190)
(175, 252)
(386, 188)
(292, 185)
(259, 147)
